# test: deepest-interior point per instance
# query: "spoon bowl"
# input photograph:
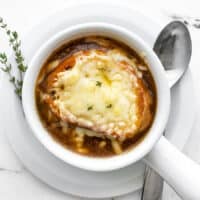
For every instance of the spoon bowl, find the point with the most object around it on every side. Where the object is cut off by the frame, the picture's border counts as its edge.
(174, 48)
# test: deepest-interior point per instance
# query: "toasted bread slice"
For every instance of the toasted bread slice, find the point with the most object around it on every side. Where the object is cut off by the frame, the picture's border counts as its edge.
(102, 91)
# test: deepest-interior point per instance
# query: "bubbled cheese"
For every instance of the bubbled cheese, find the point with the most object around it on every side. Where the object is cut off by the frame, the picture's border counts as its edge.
(101, 92)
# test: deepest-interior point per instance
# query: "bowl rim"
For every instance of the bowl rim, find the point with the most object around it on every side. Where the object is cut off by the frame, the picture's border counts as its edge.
(81, 161)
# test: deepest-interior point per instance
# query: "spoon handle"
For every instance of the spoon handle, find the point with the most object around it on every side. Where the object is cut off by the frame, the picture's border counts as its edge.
(153, 185)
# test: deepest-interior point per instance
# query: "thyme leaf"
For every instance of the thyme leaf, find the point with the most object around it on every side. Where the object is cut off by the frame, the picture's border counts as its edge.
(109, 106)
(98, 83)
(90, 108)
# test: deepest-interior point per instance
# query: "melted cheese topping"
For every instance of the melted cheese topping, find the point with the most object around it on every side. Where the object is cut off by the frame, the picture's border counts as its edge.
(101, 92)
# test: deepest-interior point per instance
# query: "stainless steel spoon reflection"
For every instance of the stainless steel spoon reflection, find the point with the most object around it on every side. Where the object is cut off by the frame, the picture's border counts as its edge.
(173, 47)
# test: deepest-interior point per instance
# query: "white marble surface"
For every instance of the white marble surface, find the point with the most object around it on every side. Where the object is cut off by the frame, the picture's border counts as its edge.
(15, 181)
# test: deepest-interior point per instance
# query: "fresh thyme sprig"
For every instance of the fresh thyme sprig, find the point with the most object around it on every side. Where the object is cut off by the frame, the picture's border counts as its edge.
(15, 44)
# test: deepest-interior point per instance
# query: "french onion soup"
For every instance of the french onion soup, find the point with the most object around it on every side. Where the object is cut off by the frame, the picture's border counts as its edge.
(96, 96)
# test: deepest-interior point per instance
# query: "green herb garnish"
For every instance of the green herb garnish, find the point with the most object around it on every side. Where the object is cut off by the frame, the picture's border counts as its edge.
(90, 108)
(98, 83)
(109, 106)
(15, 44)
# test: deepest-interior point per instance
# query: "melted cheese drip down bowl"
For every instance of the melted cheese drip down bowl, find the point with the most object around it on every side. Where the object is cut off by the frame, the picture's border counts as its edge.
(91, 94)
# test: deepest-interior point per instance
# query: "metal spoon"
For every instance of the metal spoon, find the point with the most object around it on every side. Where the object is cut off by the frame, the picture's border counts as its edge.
(173, 47)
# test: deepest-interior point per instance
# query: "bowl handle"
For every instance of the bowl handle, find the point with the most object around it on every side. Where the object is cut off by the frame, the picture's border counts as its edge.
(177, 169)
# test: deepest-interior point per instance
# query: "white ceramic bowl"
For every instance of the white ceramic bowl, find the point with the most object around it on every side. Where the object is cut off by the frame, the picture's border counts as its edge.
(160, 154)
(120, 34)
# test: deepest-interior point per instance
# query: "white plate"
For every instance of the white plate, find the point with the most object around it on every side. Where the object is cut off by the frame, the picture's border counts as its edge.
(43, 164)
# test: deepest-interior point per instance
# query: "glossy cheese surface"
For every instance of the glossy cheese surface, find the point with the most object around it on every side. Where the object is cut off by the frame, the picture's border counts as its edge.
(102, 91)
